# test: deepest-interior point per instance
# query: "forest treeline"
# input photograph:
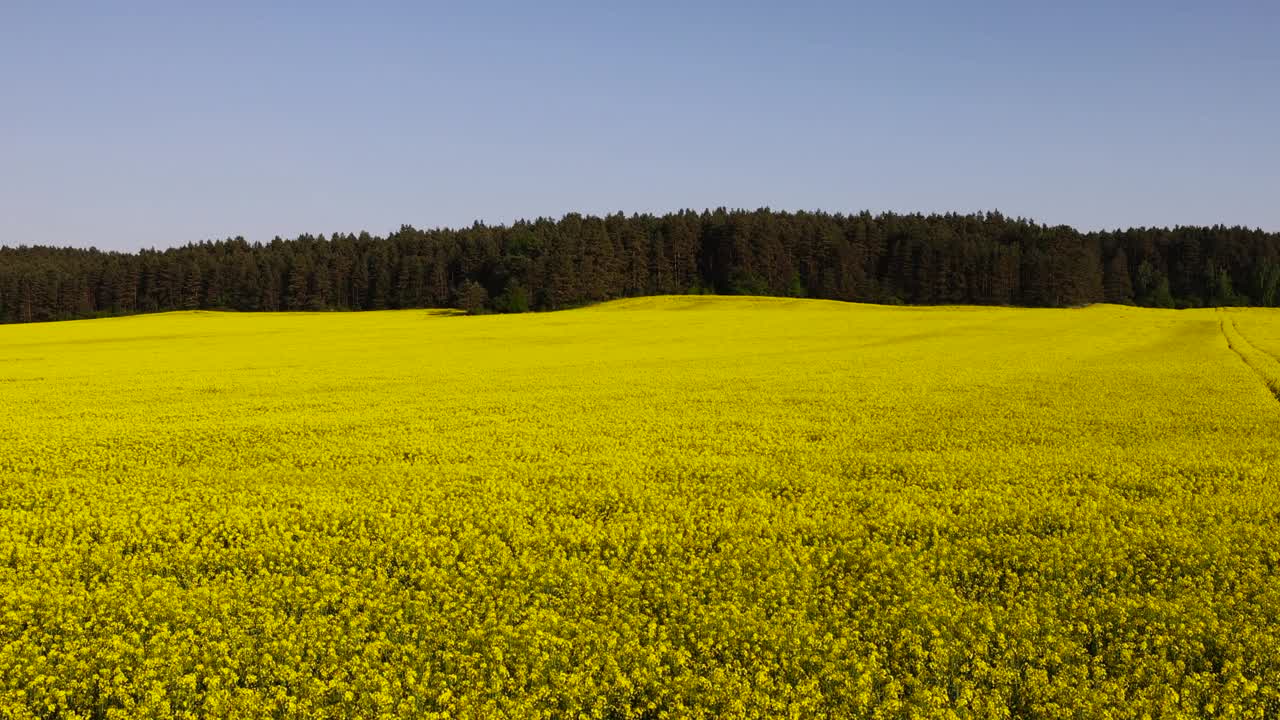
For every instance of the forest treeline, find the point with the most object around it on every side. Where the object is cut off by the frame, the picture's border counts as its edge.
(548, 264)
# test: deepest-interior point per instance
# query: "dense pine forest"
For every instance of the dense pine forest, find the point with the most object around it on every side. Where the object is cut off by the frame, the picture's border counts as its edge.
(548, 264)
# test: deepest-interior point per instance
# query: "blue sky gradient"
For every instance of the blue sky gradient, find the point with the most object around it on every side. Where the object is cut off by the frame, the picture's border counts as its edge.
(160, 124)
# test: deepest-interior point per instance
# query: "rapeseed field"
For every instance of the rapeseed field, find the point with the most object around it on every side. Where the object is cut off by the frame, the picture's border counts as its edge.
(660, 508)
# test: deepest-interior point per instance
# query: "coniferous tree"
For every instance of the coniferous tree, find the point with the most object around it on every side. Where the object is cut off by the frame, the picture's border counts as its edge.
(1117, 285)
(473, 298)
(1153, 287)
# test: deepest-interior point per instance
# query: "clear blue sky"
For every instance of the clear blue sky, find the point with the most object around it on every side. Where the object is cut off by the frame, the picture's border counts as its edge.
(161, 124)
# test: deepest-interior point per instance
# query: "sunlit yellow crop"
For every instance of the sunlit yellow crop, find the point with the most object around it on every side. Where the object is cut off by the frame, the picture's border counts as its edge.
(659, 508)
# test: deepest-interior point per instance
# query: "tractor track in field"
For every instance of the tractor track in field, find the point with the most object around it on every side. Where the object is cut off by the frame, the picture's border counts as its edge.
(1262, 363)
(1275, 359)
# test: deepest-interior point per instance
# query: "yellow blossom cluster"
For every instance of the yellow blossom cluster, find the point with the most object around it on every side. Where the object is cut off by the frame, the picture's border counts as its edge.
(685, 507)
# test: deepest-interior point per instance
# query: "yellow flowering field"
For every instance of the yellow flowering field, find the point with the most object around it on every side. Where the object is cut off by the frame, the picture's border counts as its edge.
(659, 508)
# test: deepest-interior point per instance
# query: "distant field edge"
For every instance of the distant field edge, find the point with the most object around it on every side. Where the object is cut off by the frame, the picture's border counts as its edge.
(642, 302)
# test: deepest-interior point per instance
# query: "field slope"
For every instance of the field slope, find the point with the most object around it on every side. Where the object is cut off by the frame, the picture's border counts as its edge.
(668, 507)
